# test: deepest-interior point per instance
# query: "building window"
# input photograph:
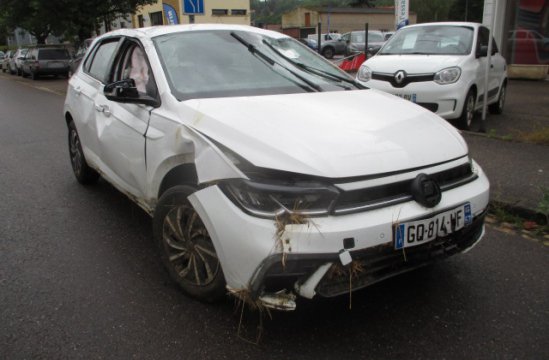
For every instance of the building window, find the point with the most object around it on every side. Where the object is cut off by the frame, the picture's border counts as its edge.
(140, 21)
(122, 25)
(156, 18)
(220, 12)
(307, 19)
(239, 12)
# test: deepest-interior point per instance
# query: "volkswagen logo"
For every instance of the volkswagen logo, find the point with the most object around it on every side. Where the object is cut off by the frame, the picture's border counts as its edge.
(400, 76)
(425, 191)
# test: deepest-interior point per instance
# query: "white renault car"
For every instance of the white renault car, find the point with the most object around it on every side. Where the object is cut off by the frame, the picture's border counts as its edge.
(442, 67)
(269, 173)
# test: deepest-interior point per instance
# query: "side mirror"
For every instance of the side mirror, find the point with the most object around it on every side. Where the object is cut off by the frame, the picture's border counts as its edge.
(124, 91)
(483, 51)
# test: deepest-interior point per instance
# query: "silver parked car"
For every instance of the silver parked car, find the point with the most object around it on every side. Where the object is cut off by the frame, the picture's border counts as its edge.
(15, 66)
(355, 41)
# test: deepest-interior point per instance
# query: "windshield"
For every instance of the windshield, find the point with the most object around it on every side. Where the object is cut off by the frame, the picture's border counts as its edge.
(204, 64)
(430, 40)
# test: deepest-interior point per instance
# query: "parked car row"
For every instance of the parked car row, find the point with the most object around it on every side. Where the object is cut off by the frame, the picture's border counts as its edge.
(36, 61)
(347, 44)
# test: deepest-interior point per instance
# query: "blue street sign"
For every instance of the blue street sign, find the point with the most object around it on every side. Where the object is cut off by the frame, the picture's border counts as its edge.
(193, 6)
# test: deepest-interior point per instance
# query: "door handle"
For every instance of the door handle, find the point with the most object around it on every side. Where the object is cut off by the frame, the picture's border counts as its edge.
(103, 109)
(491, 66)
(78, 91)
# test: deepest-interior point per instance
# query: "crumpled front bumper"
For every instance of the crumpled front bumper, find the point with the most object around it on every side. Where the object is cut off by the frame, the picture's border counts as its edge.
(305, 258)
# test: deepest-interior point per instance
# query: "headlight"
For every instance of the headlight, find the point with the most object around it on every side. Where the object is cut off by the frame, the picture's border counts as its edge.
(364, 73)
(271, 200)
(448, 75)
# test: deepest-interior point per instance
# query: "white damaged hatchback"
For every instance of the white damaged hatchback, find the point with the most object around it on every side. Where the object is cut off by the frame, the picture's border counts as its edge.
(269, 173)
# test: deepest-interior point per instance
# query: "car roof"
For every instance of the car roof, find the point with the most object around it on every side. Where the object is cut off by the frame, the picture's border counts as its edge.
(153, 31)
(447, 23)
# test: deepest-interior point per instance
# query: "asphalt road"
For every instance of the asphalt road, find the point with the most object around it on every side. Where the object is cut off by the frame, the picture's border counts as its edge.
(80, 278)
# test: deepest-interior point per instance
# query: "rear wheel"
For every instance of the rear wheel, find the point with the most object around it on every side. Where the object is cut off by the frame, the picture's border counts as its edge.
(83, 173)
(186, 248)
(466, 119)
(33, 75)
(497, 107)
(328, 52)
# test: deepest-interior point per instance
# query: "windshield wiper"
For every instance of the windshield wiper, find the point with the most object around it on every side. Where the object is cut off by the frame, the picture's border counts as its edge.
(319, 72)
(272, 62)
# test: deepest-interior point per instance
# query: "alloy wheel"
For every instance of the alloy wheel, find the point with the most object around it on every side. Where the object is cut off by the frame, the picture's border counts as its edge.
(189, 248)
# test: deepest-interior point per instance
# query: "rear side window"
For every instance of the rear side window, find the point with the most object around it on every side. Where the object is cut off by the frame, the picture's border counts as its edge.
(101, 61)
(53, 54)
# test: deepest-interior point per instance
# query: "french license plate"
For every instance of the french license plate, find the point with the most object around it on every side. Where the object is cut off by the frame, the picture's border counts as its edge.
(55, 65)
(409, 97)
(419, 232)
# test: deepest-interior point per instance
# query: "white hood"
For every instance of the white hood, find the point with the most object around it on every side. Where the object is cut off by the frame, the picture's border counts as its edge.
(331, 134)
(413, 64)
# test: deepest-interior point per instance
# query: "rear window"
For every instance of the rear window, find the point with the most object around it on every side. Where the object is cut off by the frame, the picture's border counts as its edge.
(53, 54)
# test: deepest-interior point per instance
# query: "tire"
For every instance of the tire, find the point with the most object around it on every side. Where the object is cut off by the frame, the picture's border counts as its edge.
(497, 107)
(328, 52)
(33, 75)
(468, 112)
(82, 171)
(19, 72)
(186, 248)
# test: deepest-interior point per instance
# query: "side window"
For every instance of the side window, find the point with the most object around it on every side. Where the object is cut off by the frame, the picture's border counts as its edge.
(98, 63)
(133, 64)
(483, 35)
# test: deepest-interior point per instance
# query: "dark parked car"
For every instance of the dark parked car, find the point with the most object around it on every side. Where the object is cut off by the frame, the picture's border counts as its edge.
(51, 60)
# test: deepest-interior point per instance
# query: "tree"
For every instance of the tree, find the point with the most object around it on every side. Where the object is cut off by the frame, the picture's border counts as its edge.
(430, 10)
(63, 17)
(475, 9)
(36, 16)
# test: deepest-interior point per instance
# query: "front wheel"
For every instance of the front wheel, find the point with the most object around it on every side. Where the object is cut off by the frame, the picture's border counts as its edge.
(186, 248)
(497, 107)
(466, 119)
(328, 52)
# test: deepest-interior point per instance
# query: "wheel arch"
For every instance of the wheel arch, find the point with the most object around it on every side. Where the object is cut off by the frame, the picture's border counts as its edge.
(178, 175)
(68, 118)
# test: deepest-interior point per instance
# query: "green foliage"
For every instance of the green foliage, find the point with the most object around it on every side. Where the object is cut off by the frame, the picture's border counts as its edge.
(543, 205)
(62, 17)
(270, 11)
(474, 8)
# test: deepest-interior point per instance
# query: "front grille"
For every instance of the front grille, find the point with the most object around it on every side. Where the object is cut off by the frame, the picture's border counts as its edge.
(407, 80)
(398, 192)
(381, 262)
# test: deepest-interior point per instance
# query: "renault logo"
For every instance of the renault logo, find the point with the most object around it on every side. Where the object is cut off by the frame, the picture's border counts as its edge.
(425, 191)
(400, 76)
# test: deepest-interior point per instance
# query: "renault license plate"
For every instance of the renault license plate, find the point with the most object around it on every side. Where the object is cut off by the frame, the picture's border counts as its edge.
(419, 232)
(409, 97)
